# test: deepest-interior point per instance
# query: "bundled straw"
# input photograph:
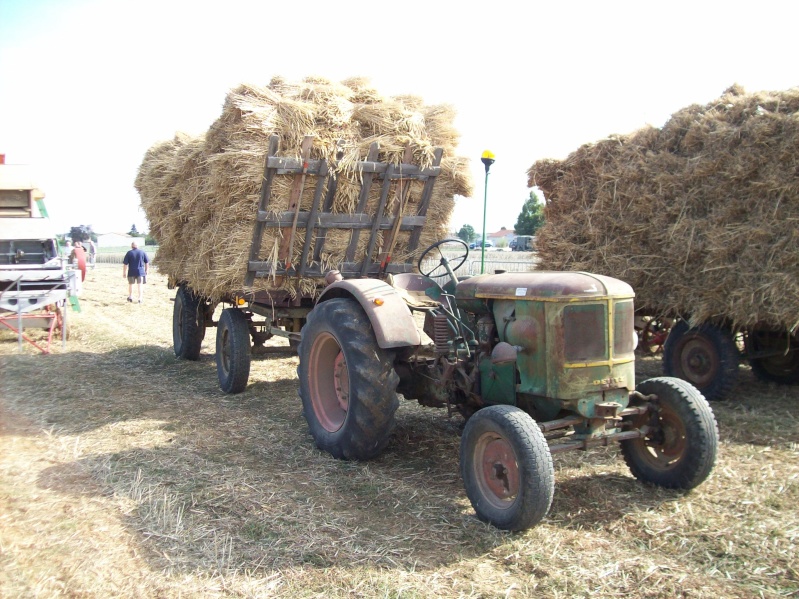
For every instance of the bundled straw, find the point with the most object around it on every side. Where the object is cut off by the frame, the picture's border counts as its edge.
(200, 194)
(701, 216)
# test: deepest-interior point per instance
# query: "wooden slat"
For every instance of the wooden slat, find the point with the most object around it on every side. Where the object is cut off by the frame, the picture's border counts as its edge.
(287, 243)
(321, 237)
(284, 165)
(309, 225)
(329, 220)
(262, 269)
(400, 196)
(366, 186)
(424, 202)
(367, 258)
(263, 203)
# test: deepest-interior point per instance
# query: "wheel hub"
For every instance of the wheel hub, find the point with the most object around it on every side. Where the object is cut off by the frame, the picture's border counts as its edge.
(329, 382)
(698, 362)
(668, 443)
(499, 469)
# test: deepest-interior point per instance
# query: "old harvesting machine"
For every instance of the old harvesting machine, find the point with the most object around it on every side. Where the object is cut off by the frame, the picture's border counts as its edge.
(35, 283)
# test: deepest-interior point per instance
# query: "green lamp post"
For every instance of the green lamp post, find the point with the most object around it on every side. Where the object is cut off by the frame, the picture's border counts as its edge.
(487, 159)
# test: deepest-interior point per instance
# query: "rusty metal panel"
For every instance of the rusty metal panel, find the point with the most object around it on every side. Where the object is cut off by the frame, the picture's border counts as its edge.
(523, 324)
(542, 286)
(391, 319)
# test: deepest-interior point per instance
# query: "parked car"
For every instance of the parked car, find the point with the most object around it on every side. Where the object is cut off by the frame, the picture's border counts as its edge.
(486, 244)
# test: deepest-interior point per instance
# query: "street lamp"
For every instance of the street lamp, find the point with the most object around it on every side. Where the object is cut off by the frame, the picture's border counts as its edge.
(487, 159)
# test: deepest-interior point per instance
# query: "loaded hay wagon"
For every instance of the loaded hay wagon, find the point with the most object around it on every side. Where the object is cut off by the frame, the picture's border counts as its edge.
(537, 363)
(700, 217)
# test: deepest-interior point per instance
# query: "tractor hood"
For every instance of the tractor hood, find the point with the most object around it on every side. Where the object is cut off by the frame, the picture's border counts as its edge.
(541, 286)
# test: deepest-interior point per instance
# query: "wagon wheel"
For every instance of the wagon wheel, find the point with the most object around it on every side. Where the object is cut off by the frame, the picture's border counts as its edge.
(654, 335)
(233, 351)
(780, 364)
(706, 356)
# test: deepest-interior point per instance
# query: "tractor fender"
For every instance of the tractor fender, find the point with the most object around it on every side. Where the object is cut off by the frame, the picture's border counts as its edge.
(391, 320)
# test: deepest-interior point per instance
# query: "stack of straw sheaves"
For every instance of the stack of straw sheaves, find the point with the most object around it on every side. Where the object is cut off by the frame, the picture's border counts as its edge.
(700, 216)
(200, 194)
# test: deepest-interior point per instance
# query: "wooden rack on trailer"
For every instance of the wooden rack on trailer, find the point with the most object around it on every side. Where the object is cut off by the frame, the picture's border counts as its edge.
(320, 218)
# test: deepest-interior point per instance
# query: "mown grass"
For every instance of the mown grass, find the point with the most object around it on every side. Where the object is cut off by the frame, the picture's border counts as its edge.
(126, 472)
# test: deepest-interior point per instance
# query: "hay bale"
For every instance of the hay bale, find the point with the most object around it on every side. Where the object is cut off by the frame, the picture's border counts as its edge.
(699, 216)
(200, 194)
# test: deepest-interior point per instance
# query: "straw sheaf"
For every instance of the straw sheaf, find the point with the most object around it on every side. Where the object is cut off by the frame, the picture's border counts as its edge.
(200, 194)
(700, 216)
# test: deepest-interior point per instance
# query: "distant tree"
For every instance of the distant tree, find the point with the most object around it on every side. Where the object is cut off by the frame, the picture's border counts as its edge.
(531, 217)
(467, 233)
(133, 230)
(81, 233)
(150, 240)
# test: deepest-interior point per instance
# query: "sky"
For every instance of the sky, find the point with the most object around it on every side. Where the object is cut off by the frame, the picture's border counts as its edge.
(87, 86)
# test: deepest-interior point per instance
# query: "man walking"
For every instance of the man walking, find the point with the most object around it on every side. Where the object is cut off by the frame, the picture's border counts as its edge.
(92, 252)
(135, 266)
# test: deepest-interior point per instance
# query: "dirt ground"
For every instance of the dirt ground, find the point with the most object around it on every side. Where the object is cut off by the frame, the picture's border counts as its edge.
(126, 472)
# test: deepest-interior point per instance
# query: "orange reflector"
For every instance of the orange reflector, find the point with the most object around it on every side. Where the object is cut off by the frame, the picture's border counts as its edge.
(378, 301)
(240, 301)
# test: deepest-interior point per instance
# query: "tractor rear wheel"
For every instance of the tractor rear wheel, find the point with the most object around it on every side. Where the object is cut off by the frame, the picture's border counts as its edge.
(233, 354)
(348, 385)
(507, 468)
(188, 324)
(706, 356)
(783, 366)
(679, 449)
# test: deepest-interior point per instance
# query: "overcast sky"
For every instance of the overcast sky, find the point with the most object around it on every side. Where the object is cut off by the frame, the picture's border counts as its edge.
(87, 86)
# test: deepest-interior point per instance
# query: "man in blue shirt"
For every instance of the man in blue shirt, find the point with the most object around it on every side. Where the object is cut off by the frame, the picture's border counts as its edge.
(134, 267)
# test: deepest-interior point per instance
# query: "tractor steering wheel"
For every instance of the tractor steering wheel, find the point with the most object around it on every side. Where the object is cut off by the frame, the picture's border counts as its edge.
(456, 263)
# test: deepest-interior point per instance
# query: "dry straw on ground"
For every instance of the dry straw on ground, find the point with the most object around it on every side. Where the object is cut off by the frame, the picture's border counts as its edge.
(701, 216)
(200, 193)
(125, 472)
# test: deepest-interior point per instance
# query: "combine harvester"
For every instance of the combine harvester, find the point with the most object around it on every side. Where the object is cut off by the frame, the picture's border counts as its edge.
(35, 282)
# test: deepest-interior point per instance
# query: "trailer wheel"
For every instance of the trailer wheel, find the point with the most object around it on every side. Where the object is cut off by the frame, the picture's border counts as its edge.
(782, 367)
(705, 356)
(680, 447)
(507, 468)
(347, 382)
(188, 325)
(233, 351)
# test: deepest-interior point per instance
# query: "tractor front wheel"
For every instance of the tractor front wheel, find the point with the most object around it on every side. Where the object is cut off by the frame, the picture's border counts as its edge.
(507, 468)
(679, 448)
(233, 353)
(348, 385)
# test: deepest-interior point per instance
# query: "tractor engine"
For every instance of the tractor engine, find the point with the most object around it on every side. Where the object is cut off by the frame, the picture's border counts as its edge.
(563, 341)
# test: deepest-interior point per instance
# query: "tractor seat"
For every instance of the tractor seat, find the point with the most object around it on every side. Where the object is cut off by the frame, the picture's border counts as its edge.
(418, 291)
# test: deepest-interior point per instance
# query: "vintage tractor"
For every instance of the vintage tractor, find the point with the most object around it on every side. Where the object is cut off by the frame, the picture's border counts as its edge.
(537, 363)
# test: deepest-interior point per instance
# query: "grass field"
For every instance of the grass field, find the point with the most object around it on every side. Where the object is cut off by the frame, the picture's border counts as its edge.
(125, 472)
